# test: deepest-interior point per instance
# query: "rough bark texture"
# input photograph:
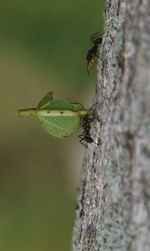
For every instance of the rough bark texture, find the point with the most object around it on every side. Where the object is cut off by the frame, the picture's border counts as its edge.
(113, 210)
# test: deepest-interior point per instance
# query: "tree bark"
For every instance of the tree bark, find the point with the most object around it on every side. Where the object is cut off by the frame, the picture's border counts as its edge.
(113, 211)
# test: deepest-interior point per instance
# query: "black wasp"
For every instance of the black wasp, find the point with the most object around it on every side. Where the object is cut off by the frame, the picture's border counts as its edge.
(92, 54)
(86, 125)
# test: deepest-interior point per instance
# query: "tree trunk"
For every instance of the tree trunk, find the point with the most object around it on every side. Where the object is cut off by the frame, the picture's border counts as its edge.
(113, 211)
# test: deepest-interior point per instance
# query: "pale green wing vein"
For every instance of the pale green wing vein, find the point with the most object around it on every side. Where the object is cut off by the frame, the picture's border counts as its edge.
(48, 122)
(45, 105)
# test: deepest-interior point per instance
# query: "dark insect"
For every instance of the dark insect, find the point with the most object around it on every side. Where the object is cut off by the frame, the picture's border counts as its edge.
(86, 125)
(92, 54)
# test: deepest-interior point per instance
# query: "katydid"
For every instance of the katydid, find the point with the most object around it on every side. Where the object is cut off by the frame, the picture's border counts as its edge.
(60, 118)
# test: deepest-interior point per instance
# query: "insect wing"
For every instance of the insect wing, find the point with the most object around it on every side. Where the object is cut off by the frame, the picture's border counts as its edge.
(61, 125)
(59, 105)
(46, 101)
(49, 103)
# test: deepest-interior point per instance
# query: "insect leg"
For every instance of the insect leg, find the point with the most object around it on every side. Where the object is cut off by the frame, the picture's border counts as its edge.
(81, 136)
(94, 36)
(82, 142)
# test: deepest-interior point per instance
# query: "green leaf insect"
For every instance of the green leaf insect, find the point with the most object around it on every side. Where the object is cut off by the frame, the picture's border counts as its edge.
(60, 118)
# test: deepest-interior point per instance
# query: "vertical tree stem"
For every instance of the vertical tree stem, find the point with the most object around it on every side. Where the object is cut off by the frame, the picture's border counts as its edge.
(114, 202)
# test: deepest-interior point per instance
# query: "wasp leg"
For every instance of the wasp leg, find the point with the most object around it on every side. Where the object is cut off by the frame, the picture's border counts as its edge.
(99, 56)
(82, 142)
(95, 36)
(82, 138)
(93, 106)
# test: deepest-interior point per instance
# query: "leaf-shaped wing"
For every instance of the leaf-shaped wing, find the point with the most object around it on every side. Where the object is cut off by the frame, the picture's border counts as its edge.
(59, 105)
(45, 102)
(61, 126)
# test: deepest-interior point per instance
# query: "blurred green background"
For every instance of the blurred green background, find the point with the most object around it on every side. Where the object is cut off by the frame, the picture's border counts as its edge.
(43, 45)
